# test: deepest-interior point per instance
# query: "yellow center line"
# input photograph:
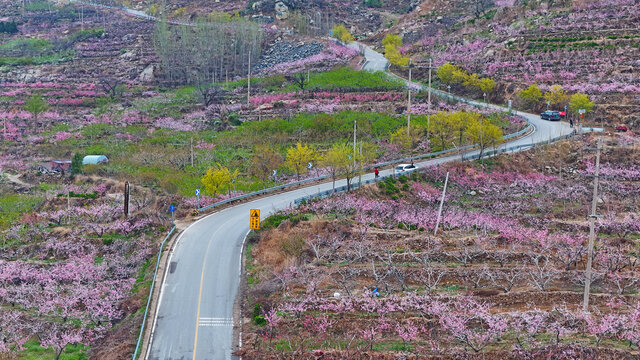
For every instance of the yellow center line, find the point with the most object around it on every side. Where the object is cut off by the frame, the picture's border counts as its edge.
(195, 341)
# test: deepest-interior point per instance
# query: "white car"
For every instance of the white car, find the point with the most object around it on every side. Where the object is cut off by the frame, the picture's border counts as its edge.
(404, 168)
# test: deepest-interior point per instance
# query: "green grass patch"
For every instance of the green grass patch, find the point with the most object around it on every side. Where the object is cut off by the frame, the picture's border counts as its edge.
(12, 207)
(34, 351)
(352, 80)
(141, 283)
(26, 44)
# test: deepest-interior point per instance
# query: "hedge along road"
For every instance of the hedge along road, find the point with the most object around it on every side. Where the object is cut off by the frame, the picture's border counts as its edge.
(194, 319)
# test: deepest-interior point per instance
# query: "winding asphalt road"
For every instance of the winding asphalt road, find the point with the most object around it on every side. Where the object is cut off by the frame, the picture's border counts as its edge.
(194, 319)
(195, 313)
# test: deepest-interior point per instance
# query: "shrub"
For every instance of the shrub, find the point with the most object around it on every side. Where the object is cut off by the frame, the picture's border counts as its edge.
(531, 95)
(258, 315)
(341, 33)
(373, 3)
(8, 27)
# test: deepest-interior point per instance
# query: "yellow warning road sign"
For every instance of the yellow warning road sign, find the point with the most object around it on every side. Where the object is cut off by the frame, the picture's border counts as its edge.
(254, 219)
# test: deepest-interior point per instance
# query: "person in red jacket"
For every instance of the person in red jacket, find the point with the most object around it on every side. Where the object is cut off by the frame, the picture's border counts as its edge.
(376, 172)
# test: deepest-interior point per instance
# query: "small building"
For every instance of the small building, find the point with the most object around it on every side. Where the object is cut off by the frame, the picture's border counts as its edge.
(94, 160)
(59, 165)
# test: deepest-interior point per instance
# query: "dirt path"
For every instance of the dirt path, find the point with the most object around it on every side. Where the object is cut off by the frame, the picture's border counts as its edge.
(16, 180)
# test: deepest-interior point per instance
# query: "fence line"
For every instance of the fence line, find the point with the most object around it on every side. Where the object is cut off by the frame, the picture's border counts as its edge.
(153, 282)
(382, 164)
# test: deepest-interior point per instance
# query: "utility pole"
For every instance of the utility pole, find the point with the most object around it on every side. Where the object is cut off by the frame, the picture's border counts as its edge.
(354, 144)
(409, 103)
(249, 79)
(444, 191)
(191, 152)
(592, 233)
(360, 170)
(69, 206)
(127, 191)
(429, 99)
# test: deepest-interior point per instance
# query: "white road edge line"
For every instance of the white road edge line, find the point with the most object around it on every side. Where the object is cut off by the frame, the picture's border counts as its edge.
(164, 279)
(240, 272)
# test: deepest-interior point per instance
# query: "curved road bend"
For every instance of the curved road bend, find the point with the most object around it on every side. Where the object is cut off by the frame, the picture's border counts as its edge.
(194, 319)
(195, 313)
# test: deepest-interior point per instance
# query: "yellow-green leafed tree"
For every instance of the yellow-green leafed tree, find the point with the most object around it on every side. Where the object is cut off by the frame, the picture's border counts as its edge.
(36, 105)
(218, 179)
(462, 121)
(391, 44)
(459, 76)
(445, 73)
(338, 159)
(392, 40)
(487, 85)
(404, 140)
(485, 135)
(298, 158)
(443, 126)
(264, 161)
(342, 34)
(556, 96)
(580, 101)
(531, 96)
(472, 82)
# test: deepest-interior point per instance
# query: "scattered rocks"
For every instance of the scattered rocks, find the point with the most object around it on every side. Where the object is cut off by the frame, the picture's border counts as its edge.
(147, 75)
(285, 51)
(31, 75)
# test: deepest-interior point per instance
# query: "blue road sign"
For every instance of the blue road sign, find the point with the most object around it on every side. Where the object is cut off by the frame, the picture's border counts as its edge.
(172, 208)
(310, 165)
(275, 172)
(197, 191)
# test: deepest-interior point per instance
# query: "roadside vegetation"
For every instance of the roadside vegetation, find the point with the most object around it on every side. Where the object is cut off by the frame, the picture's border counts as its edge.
(364, 273)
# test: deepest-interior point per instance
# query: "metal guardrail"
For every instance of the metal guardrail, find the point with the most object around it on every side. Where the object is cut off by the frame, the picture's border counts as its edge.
(355, 185)
(324, 177)
(518, 147)
(153, 282)
(382, 164)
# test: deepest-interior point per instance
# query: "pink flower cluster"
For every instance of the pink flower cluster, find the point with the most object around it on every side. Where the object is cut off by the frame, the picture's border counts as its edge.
(172, 124)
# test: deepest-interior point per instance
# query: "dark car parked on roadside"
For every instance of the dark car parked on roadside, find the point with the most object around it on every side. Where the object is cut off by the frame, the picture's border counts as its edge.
(550, 115)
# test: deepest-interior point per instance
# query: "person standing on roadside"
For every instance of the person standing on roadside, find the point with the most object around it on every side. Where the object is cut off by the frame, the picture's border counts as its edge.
(376, 172)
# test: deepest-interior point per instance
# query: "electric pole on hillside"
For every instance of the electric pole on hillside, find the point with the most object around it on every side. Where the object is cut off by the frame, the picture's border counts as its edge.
(444, 192)
(191, 152)
(429, 97)
(409, 102)
(249, 79)
(592, 232)
(127, 191)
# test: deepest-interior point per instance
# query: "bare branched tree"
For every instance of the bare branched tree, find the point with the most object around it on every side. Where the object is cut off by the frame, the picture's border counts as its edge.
(542, 271)
(506, 279)
(111, 86)
(299, 79)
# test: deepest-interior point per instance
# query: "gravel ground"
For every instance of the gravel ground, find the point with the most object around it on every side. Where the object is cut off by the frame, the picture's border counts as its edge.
(285, 51)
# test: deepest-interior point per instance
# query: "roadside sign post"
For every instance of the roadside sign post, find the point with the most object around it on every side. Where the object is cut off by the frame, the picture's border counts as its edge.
(172, 208)
(198, 196)
(509, 105)
(581, 112)
(275, 176)
(254, 219)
